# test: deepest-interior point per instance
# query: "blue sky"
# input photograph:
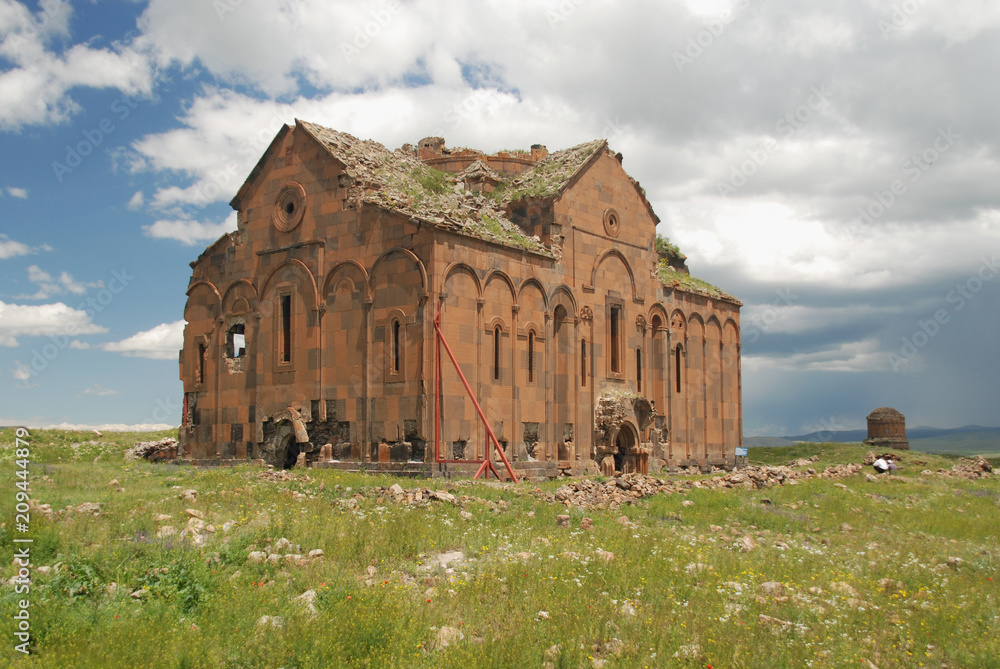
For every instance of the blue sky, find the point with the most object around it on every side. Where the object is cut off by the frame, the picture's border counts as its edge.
(833, 164)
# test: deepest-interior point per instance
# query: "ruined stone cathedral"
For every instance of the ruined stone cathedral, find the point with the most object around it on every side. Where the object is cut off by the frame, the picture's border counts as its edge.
(310, 330)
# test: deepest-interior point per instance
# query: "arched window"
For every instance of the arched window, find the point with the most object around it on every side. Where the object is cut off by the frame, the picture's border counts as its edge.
(496, 353)
(202, 350)
(395, 346)
(677, 367)
(531, 357)
(583, 363)
(286, 328)
(616, 365)
(638, 370)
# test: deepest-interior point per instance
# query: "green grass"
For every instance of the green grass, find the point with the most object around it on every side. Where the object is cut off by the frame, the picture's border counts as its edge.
(652, 605)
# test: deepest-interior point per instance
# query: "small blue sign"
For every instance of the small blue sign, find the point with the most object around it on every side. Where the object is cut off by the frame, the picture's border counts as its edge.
(741, 451)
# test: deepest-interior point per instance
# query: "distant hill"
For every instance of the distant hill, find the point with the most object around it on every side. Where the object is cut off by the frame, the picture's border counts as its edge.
(985, 442)
(838, 436)
(766, 442)
(966, 440)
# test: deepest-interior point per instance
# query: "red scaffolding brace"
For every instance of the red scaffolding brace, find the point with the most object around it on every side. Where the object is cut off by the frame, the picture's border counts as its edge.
(487, 464)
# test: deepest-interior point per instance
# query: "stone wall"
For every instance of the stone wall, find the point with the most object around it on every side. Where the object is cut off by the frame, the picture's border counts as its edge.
(335, 301)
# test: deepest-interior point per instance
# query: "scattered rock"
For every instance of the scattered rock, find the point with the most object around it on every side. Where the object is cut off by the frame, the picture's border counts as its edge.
(188, 495)
(772, 589)
(195, 513)
(562, 520)
(747, 543)
(92, 508)
(542, 615)
(446, 636)
(308, 600)
(586, 524)
(845, 589)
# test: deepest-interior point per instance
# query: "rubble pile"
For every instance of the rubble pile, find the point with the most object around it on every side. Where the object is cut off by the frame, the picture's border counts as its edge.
(153, 451)
(418, 496)
(756, 477)
(283, 551)
(841, 471)
(612, 493)
(973, 468)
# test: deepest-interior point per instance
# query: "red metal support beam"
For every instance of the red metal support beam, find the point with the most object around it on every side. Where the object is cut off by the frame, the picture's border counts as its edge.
(487, 464)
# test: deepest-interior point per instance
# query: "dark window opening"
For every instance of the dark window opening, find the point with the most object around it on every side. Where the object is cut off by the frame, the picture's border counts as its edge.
(290, 208)
(202, 350)
(638, 370)
(677, 367)
(583, 363)
(496, 353)
(286, 328)
(236, 341)
(531, 357)
(395, 346)
(615, 343)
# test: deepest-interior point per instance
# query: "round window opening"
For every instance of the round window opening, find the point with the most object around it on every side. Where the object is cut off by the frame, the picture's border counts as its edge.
(289, 207)
(611, 222)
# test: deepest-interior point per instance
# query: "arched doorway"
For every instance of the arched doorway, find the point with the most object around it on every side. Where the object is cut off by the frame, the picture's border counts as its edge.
(623, 447)
(290, 447)
(627, 455)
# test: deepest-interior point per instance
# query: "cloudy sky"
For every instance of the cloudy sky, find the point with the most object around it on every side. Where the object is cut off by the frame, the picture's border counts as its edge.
(833, 164)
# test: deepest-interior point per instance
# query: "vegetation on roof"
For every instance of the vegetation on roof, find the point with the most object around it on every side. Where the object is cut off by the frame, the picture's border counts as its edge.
(667, 250)
(547, 177)
(400, 181)
(671, 277)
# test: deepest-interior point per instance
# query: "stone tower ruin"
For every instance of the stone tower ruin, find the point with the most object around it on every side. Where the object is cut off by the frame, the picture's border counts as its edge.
(887, 429)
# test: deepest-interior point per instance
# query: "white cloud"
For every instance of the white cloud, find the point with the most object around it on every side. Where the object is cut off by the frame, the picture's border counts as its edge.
(36, 90)
(21, 372)
(49, 287)
(100, 391)
(14, 191)
(78, 345)
(162, 342)
(136, 201)
(18, 320)
(191, 232)
(10, 248)
(224, 133)
(859, 356)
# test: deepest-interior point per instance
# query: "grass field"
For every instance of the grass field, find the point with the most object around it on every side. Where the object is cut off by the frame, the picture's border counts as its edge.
(902, 572)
